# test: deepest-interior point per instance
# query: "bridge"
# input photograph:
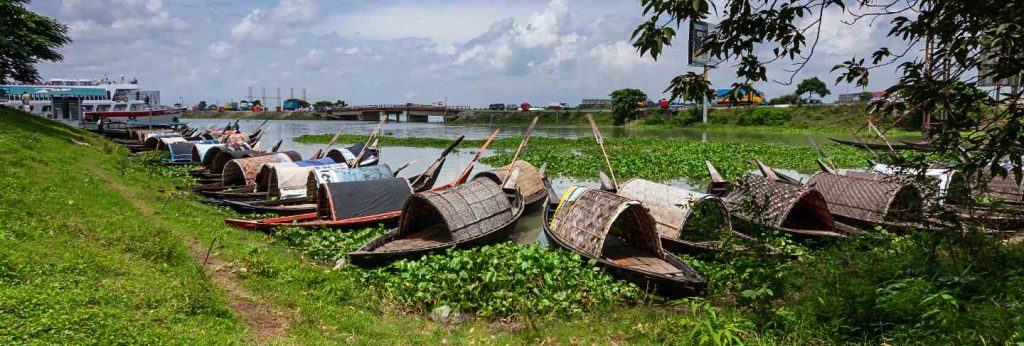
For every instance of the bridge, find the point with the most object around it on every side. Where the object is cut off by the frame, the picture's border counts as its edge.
(398, 113)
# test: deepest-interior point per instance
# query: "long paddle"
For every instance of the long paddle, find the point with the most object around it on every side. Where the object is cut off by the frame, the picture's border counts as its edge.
(522, 145)
(469, 169)
(439, 159)
(323, 151)
(871, 125)
(600, 143)
(818, 148)
(277, 146)
(373, 136)
(359, 159)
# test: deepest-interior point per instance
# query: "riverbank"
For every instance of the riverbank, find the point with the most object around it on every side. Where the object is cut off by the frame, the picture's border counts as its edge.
(100, 247)
(831, 118)
(644, 157)
(295, 115)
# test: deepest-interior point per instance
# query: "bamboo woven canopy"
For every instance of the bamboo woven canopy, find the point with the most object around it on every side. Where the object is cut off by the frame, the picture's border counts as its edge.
(530, 182)
(870, 200)
(243, 171)
(587, 219)
(462, 212)
(673, 207)
(783, 205)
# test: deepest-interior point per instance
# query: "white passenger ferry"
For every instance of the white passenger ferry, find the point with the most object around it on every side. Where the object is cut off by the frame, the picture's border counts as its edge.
(89, 101)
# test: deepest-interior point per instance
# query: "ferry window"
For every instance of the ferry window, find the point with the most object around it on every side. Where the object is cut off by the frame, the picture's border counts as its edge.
(119, 107)
(88, 108)
(46, 108)
(103, 108)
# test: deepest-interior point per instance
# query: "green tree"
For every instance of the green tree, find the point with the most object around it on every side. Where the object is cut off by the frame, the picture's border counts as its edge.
(784, 99)
(340, 103)
(962, 36)
(811, 86)
(202, 105)
(25, 39)
(626, 104)
(323, 104)
(865, 97)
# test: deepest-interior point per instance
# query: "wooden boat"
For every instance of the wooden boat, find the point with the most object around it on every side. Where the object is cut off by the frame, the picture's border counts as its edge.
(790, 208)
(306, 201)
(687, 221)
(895, 204)
(479, 212)
(875, 146)
(621, 235)
(241, 173)
(532, 182)
(182, 153)
(353, 214)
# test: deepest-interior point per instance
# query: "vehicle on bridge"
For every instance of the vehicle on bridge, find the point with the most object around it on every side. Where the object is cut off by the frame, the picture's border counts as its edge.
(496, 107)
(755, 98)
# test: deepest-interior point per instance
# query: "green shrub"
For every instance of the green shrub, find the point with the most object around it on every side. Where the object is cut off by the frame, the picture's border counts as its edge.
(764, 116)
(501, 280)
(325, 244)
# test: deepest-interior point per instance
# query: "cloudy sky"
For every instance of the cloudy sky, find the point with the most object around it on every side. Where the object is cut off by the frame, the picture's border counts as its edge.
(470, 52)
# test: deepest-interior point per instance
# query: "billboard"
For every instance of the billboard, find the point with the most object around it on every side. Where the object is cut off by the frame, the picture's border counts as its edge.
(698, 32)
(984, 71)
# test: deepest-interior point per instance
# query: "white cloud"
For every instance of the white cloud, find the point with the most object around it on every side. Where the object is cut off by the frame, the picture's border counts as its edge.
(619, 56)
(291, 12)
(220, 50)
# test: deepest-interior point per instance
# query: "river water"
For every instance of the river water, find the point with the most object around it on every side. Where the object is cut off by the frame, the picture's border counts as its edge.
(529, 226)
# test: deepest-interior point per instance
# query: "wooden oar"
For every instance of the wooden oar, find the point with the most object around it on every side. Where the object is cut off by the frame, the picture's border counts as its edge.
(600, 143)
(718, 185)
(854, 135)
(395, 173)
(438, 161)
(818, 148)
(522, 145)
(871, 125)
(373, 136)
(825, 168)
(469, 168)
(359, 159)
(323, 151)
(277, 146)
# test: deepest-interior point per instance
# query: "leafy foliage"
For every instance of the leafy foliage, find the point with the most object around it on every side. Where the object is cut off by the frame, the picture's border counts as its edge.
(960, 38)
(626, 104)
(324, 244)
(25, 39)
(502, 280)
(811, 86)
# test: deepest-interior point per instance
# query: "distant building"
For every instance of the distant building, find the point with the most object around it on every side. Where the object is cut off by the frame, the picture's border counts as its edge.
(855, 97)
(594, 103)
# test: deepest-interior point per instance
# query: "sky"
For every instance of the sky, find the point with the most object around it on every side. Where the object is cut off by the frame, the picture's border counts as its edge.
(367, 52)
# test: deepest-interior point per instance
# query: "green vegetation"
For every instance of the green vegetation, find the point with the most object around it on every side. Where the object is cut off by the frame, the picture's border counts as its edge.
(108, 250)
(651, 158)
(27, 39)
(812, 86)
(626, 104)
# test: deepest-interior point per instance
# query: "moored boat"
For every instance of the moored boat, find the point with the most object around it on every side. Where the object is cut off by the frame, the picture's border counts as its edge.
(620, 235)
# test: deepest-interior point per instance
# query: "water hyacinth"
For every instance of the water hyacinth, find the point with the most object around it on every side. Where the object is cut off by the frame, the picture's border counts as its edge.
(501, 280)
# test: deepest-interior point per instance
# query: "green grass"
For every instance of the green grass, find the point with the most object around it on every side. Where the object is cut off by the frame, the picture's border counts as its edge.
(96, 250)
(647, 157)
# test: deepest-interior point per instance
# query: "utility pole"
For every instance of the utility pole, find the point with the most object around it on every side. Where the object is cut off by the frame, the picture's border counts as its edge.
(250, 94)
(704, 105)
(304, 94)
(263, 100)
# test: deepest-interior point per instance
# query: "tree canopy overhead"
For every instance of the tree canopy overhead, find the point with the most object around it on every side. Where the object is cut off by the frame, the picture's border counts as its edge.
(27, 38)
(958, 37)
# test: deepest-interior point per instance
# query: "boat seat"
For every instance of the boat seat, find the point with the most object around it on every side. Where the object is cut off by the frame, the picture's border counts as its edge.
(430, 237)
(633, 258)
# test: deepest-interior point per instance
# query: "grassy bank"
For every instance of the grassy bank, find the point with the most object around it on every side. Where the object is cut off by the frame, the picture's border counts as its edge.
(297, 115)
(650, 158)
(98, 248)
(819, 118)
